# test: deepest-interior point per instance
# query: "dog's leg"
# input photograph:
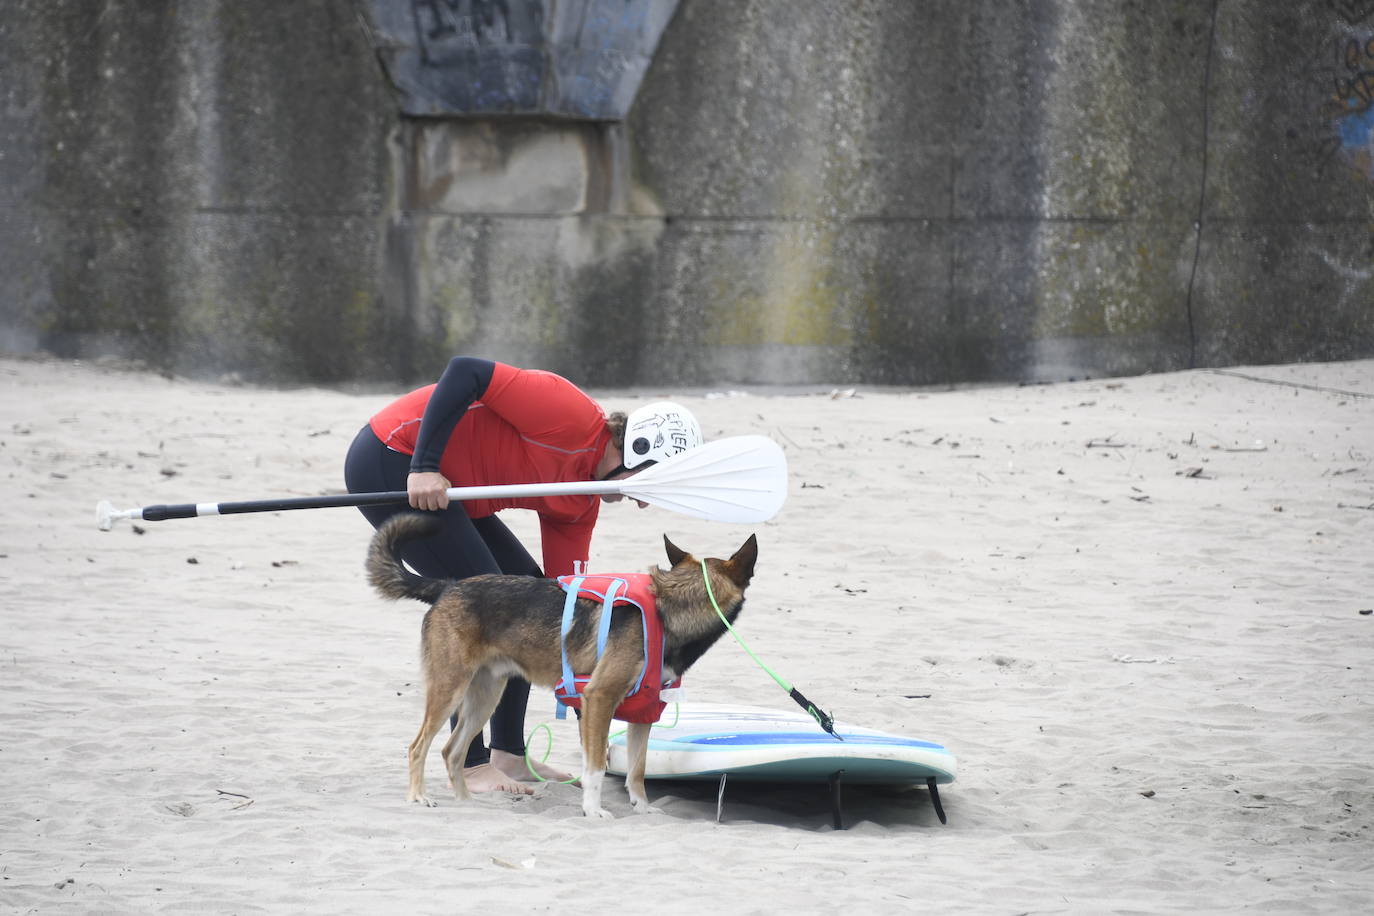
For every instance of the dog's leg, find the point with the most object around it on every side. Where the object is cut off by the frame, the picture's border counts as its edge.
(637, 748)
(594, 726)
(440, 701)
(479, 702)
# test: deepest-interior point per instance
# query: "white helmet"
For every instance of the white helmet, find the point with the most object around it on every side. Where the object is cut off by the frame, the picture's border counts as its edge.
(659, 431)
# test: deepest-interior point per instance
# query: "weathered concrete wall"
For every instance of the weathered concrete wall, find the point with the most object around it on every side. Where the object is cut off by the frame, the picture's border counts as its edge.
(954, 190)
(878, 191)
(203, 186)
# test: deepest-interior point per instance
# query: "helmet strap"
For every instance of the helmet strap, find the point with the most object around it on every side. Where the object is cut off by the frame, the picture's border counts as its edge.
(621, 469)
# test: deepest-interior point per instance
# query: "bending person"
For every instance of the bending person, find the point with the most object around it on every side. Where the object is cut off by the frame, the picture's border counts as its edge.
(487, 423)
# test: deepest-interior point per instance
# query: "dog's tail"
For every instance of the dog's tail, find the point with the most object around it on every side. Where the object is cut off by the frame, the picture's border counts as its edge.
(385, 571)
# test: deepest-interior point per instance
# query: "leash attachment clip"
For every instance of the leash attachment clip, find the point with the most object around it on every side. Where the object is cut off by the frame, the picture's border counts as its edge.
(824, 719)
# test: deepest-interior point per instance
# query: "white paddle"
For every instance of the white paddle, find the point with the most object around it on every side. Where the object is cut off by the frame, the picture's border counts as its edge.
(739, 479)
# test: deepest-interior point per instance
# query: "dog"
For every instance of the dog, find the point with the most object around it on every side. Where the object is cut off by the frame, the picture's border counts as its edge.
(479, 631)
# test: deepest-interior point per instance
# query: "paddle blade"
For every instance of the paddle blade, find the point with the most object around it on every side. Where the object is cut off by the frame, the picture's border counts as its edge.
(738, 479)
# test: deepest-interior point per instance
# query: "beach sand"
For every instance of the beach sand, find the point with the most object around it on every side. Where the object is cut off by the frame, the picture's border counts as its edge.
(1136, 610)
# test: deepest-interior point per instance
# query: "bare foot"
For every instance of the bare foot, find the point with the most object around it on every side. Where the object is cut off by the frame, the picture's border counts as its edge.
(487, 778)
(514, 767)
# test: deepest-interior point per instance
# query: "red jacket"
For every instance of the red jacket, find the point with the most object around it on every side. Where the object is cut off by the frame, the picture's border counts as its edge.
(529, 426)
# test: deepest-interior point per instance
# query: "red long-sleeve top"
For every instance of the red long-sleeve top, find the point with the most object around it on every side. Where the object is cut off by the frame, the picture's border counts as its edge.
(523, 426)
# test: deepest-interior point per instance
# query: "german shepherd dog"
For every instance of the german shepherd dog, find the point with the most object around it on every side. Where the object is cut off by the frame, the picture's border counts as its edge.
(480, 630)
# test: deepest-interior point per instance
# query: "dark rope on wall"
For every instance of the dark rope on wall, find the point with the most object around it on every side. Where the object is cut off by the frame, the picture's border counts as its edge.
(1202, 193)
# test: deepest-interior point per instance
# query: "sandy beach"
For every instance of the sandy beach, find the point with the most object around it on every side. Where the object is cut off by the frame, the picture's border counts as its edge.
(1137, 610)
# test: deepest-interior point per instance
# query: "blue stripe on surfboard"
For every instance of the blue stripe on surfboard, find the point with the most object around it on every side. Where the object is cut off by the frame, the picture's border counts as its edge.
(764, 739)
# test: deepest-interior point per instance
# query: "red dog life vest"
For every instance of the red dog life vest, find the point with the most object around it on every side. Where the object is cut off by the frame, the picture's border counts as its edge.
(642, 704)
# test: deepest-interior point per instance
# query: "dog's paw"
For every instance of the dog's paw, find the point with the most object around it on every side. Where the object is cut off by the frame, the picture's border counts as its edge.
(643, 807)
(598, 813)
(424, 800)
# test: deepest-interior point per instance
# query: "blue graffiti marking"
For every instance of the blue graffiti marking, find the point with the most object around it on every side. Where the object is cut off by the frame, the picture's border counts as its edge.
(1356, 130)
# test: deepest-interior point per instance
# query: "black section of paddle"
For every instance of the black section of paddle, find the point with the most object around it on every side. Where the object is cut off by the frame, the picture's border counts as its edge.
(189, 510)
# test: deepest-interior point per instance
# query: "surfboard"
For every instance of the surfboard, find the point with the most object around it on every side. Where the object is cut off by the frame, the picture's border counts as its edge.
(705, 741)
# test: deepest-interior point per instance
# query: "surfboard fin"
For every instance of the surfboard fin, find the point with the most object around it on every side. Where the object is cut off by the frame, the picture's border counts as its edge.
(824, 719)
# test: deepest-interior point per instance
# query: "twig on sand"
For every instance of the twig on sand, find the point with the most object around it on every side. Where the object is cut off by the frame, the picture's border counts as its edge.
(781, 432)
(1286, 384)
(243, 804)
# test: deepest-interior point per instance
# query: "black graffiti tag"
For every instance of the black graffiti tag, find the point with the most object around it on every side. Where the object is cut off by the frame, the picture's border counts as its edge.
(467, 23)
(1355, 90)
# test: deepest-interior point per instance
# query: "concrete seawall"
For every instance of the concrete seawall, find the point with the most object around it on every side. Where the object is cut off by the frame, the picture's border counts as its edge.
(881, 192)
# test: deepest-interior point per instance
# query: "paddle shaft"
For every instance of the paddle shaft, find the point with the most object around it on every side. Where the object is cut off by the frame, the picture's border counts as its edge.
(737, 479)
(161, 513)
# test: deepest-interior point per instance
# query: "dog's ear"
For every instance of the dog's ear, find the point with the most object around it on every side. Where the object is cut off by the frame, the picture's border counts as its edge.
(675, 553)
(740, 567)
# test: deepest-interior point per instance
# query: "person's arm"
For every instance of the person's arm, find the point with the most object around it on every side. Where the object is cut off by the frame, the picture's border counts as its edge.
(564, 543)
(464, 381)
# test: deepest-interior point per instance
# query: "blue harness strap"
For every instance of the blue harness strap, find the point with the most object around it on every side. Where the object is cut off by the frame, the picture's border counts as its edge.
(569, 605)
(603, 630)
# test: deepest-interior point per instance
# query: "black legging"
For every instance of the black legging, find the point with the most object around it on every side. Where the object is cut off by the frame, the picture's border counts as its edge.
(463, 547)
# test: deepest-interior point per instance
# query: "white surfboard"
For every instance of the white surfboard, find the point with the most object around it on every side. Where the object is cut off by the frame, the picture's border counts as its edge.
(706, 741)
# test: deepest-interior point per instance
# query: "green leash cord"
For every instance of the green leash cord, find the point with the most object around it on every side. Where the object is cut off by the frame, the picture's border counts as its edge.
(825, 720)
(548, 748)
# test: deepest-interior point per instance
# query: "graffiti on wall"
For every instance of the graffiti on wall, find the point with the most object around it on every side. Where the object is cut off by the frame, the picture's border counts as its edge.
(1347, 107)
(580, 59)
(442, 25)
